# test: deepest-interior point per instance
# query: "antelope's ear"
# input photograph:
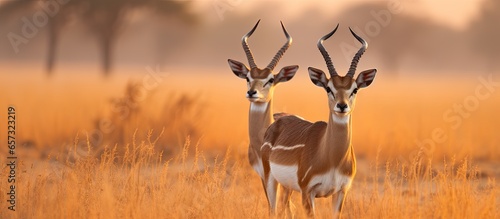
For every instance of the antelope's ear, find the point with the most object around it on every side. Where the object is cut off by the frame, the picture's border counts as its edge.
(238, 68)
(318, 77)
(365, 78)
(286, 74)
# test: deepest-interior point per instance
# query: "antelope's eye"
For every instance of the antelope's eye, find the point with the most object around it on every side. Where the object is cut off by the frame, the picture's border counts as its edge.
(328, 90)
(355, 91)
(248, 80)
(269, 82)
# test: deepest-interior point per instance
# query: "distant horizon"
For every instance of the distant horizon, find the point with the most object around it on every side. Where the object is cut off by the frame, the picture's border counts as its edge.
(462, 12)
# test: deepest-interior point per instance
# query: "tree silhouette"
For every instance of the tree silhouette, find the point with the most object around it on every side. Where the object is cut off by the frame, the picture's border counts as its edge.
(104, 19)
(55, 23)
(485, 33)
(55, 27)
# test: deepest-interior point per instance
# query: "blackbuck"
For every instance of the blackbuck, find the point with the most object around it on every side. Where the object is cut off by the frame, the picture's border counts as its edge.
(316, 159)
(261, 84)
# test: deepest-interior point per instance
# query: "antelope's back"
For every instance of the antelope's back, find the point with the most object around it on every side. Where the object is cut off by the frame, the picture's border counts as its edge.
(290, 130)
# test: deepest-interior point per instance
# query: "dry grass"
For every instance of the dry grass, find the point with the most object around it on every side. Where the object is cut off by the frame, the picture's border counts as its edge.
(150, 169)
(143, 184)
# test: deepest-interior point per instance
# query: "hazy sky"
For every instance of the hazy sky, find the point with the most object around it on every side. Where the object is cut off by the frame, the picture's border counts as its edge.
(143, 39)
(455, 13)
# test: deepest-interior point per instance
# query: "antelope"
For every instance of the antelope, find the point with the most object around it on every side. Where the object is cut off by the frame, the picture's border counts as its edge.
(316, 159)
(261, 84)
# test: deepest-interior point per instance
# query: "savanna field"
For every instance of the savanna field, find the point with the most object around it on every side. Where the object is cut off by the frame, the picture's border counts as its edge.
(131, 145)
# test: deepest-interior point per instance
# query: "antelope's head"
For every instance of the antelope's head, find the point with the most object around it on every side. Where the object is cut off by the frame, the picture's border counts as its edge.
(261, 82)
(341, 90)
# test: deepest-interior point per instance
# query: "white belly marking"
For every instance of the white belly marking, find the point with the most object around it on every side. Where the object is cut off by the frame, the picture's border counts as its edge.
(329, 183)
(286, 175)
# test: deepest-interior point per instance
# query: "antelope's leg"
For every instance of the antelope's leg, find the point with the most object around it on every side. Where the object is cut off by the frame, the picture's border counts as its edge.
(270, 183)
(285, 201)
(271, 186)
(308, 202)
(337, 203)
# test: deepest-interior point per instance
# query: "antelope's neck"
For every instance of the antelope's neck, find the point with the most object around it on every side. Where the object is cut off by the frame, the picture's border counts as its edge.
(336, 146)
(260, 117)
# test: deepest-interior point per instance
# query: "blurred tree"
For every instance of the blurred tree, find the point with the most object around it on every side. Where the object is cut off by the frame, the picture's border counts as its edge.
(55, 26)
(398, 37)
(485, 32)
(104, 19)
(58, 14)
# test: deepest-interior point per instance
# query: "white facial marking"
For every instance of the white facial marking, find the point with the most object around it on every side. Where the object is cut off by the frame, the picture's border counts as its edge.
(261, 87)
(287, 148)
(340, 119)
(264, 87)
(330, 85)
(307, 172)
(264, 81)
(351, 89)
(346, 110)
(259, 168)
(332, 180)
(285, 175)
(256, 96)
(258, 107)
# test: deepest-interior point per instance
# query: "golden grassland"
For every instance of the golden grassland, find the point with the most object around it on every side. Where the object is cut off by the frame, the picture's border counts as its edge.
(143, 184)
(180, 151)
